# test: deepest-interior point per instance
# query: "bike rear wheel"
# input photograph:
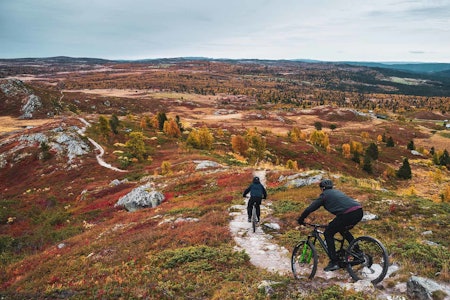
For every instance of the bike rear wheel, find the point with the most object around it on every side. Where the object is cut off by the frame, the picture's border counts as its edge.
(304, 260)
(254, 218)
(367, 259)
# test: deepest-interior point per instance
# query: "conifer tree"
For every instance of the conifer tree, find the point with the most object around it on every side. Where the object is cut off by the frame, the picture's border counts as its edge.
(356, 157)
(372, 151)
(367, 163)
(180, 126)
(162, 118)
(444, 159)
(390, 142)
(114, 123)
(405, 170)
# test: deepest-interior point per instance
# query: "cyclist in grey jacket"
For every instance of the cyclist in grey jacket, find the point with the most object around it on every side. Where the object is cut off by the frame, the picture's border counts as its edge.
(348, 213)
(257, 193)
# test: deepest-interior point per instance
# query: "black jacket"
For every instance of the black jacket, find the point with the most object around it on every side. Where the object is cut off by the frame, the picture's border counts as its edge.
(256, 190)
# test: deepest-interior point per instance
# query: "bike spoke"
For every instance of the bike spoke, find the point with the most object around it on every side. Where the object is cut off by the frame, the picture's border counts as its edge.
(367, 260)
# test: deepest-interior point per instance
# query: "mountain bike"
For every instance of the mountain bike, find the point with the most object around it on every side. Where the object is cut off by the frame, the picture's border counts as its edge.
(365, 258)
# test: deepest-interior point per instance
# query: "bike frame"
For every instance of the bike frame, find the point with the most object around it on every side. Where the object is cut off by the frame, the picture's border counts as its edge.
(318, 235)
(350, 255)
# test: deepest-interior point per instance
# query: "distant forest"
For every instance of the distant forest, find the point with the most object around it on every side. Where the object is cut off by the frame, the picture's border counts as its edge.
(371, 86)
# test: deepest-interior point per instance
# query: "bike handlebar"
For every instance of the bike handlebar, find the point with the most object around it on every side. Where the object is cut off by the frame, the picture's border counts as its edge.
(315, 225)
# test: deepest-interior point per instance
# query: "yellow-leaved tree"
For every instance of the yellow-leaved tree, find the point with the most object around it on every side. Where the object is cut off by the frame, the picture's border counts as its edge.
(166, 168)
(320, 138)
(346, 150)
(171, 128)
(136, 145)
(239, 144)
(257, 145)
(356, 147)
(296, 134)
(292, 165)
(200, 138)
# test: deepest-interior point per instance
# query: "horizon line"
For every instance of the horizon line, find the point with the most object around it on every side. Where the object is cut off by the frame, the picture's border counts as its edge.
(224, 58)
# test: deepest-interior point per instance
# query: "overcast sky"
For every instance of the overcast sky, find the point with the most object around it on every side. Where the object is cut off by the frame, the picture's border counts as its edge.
(329, 30)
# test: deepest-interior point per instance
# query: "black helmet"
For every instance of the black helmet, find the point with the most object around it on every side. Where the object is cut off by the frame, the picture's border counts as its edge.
(256, 179)
(326, 184)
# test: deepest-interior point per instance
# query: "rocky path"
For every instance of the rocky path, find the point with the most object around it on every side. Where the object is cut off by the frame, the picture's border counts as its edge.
(263, 253)
(259, 246)
(269, 256)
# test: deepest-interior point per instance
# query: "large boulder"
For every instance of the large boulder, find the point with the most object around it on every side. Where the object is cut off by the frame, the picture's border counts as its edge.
(141, 197)
(205, 164)
(302, 179)
(426, 289)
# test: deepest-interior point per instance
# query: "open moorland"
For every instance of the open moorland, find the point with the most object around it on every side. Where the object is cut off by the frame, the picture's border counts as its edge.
(77, 135)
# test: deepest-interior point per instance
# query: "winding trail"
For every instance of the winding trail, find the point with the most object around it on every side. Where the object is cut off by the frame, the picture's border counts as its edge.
(263, 253)
(100, 149)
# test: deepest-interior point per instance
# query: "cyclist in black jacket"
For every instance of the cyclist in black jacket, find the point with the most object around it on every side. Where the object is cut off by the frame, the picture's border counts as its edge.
(257, 193)
(348, 213)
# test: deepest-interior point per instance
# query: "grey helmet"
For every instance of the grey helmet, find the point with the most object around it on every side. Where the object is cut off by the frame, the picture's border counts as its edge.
(326, 184)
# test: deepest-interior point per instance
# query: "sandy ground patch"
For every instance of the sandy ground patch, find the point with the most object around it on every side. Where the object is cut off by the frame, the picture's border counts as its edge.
(9, 124)
(437, 141)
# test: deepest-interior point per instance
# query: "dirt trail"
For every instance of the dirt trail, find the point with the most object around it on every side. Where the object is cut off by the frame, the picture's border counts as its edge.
(99, 148)
(274, 258)
(263, 253)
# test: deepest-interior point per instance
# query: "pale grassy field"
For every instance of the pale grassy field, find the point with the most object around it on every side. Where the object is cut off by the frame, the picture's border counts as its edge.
(9, 124)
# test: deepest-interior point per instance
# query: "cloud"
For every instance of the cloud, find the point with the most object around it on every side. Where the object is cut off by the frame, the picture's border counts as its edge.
(327, 30)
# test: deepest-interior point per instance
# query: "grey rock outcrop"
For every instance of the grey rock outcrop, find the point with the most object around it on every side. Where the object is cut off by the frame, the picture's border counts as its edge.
(73, 144)
(33, 103)
(426, 289)
(65, 142)
(205, 164)
(141, 197)
(13, 87)
(302, 179)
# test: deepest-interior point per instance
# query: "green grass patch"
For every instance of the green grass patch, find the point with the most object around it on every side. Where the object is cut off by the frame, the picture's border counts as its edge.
(444, 134)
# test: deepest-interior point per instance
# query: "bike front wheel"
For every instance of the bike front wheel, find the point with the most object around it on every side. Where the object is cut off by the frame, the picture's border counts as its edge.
(367, 259)
(304, 260)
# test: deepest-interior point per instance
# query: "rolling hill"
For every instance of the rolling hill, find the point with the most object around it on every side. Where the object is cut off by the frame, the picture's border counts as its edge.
(195, 131)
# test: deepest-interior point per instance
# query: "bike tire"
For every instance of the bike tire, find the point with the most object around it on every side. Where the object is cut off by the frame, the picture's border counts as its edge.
(254, 218)
(367, 259)
(304, 260)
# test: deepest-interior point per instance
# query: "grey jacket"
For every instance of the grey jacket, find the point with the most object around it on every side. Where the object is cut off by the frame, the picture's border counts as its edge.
(334, 201)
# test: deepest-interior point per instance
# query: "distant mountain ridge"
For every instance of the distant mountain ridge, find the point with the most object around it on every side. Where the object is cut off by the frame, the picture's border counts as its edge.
(421, 79)
(417, 67)
(433, 68)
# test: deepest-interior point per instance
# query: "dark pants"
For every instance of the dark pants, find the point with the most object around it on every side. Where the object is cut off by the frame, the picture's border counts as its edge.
(257, 201)
(340, 224)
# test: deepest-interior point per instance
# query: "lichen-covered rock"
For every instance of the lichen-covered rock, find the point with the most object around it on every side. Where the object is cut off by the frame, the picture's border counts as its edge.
(33, 103)
(424, 288)
(141, 197)
(205, 164)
